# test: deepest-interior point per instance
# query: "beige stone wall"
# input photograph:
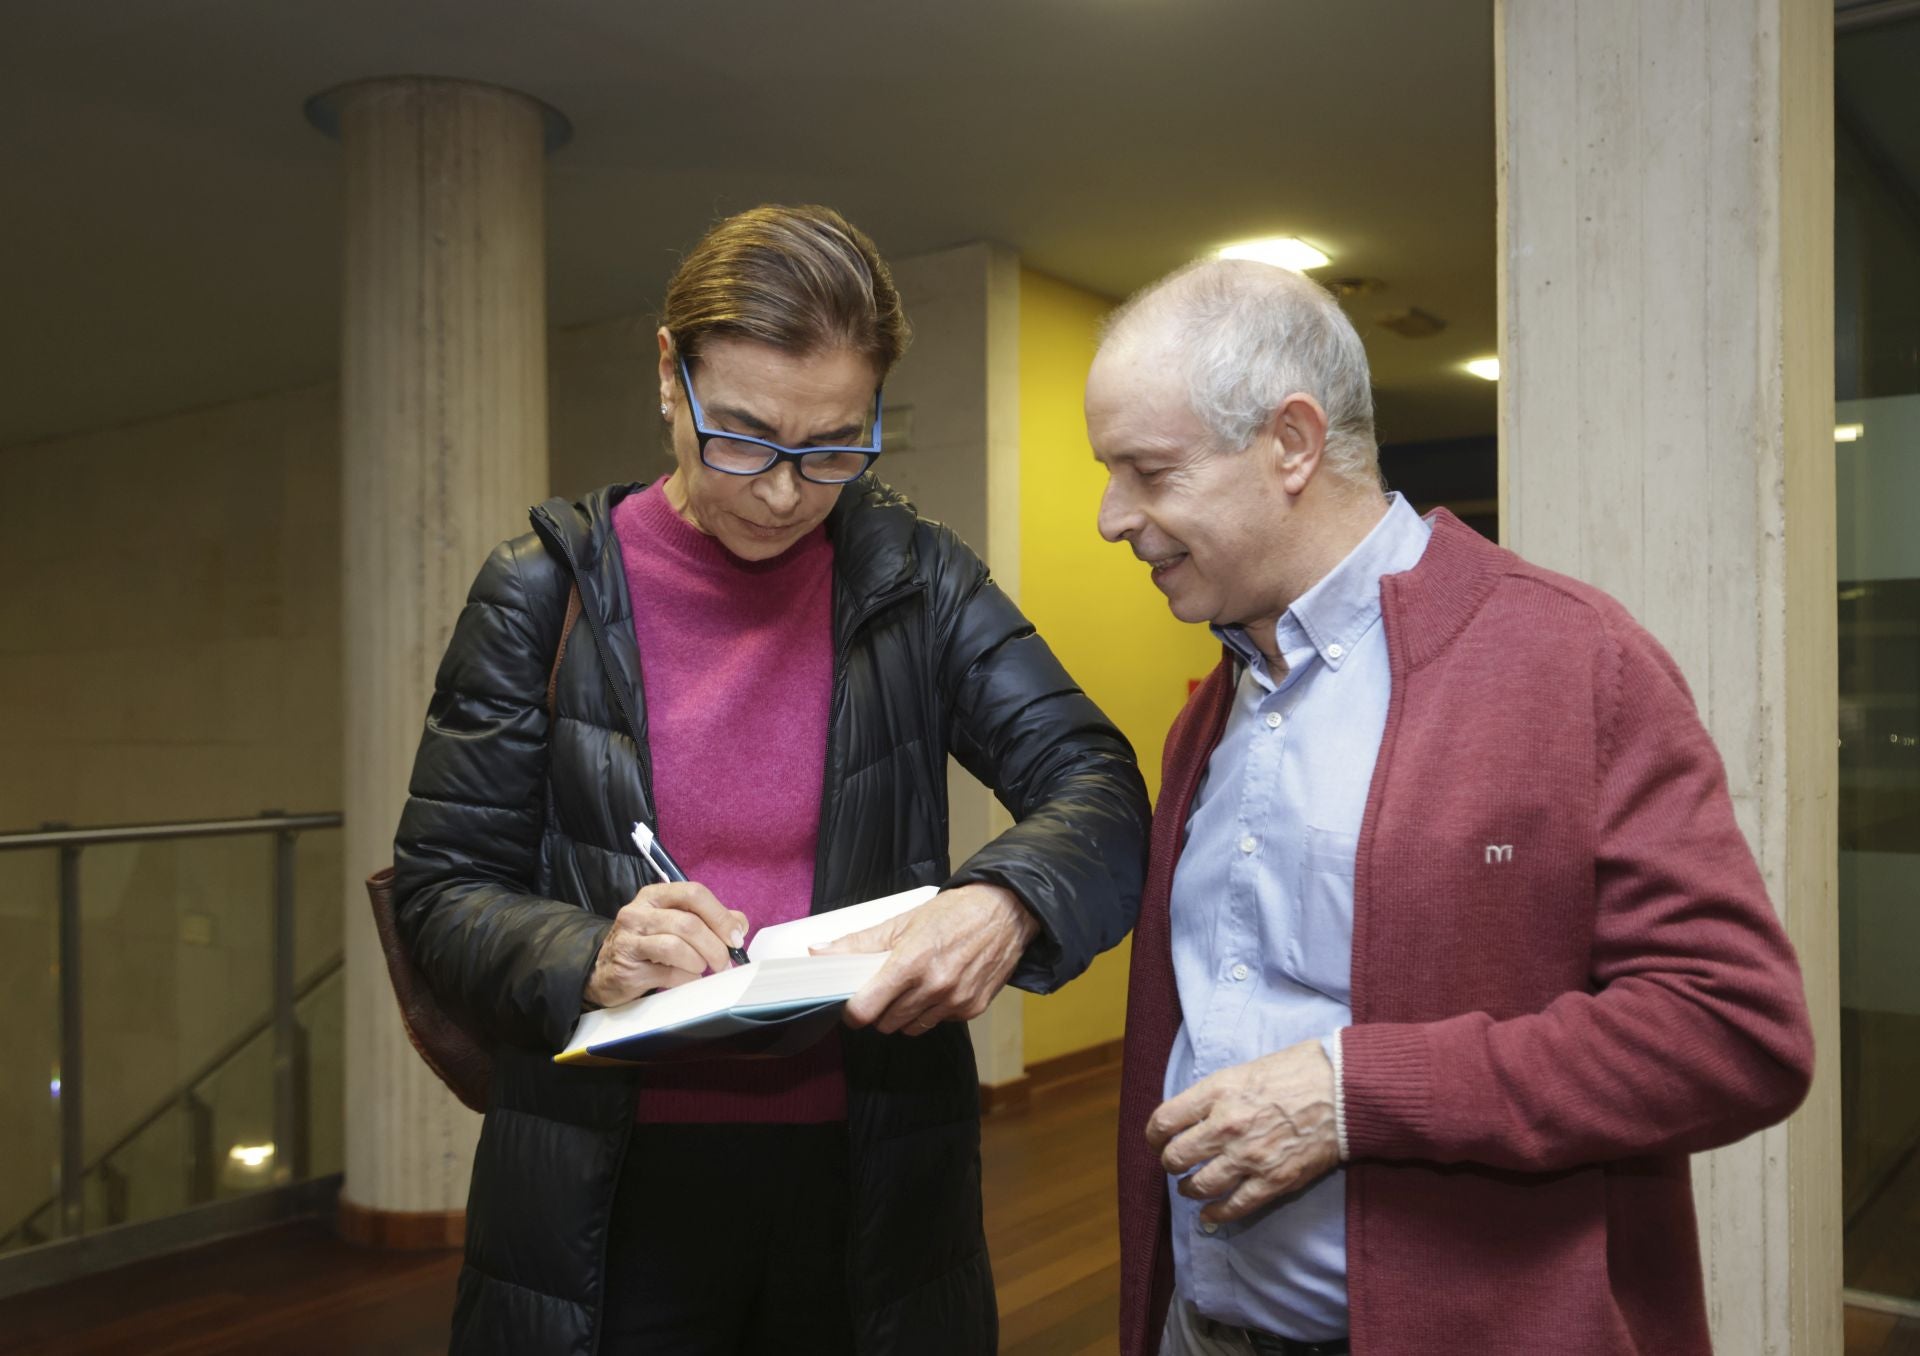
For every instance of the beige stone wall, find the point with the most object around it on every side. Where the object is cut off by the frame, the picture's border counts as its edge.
(171, 616)
(604, 405)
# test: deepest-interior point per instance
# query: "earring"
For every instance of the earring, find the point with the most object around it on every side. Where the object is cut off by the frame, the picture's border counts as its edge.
(663, 409)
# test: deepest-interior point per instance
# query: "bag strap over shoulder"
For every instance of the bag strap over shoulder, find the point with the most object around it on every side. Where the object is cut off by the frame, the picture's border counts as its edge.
(560, 653)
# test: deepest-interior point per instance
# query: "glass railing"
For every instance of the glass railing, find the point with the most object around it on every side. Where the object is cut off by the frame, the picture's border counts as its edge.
(1877, 483)
(1879, 568)
(173, 995)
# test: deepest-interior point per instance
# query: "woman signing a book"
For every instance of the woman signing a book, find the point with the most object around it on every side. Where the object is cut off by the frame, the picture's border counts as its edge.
(773, 657)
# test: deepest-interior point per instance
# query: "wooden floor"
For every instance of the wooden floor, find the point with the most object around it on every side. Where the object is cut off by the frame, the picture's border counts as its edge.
(298, 1291)
(1052, 1221)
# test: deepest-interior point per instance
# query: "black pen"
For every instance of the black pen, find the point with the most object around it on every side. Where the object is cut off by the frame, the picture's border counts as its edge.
(654, 853)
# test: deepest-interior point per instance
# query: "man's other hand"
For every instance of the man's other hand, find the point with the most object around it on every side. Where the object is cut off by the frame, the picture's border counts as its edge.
(1255, 1132)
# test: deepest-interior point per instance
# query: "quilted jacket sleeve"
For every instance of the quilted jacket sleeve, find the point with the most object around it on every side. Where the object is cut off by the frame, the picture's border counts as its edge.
(510, 964)
(1076, 854)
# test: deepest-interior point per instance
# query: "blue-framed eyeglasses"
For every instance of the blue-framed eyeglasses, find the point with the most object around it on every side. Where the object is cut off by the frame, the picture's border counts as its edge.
(736, 454)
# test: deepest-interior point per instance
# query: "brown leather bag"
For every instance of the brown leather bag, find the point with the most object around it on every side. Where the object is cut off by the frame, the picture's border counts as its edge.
(457, 1057)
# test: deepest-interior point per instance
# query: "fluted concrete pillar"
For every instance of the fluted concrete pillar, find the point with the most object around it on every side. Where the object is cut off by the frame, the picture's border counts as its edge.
(444, 433)
(1666, 432)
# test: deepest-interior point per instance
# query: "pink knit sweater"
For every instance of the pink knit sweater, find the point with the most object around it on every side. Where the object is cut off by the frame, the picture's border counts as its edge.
(736, 659)
(1566, 978)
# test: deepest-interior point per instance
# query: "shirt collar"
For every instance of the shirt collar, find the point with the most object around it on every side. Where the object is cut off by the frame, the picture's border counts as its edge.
(1330, 618)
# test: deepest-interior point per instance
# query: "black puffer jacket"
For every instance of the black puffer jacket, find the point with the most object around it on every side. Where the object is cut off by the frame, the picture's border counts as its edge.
(513, 855)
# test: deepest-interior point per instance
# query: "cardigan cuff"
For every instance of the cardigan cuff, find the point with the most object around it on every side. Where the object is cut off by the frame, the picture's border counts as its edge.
(1331, 1044)
(1386, 1090)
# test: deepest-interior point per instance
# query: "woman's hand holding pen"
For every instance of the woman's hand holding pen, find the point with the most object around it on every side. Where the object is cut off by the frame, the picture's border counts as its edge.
(667, 935)
(950, 957)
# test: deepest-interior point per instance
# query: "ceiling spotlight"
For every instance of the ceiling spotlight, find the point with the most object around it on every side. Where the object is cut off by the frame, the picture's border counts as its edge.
(1487, 369)
(1413, 323)
(1282, 251)
(1848, 433)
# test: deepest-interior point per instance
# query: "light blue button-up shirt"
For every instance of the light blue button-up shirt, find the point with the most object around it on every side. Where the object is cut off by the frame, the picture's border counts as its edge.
(1262, 916)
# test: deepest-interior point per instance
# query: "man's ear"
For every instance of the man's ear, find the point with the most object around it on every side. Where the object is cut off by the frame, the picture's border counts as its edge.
(1299, 435)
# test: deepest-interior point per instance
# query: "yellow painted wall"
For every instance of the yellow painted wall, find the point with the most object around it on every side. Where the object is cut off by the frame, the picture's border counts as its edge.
(1093, 602)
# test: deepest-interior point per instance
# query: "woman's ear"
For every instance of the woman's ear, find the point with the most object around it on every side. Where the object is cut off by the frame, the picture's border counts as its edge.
(669, 388)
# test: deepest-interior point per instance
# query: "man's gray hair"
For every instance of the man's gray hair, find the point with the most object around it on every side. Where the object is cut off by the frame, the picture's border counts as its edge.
(1251, 335)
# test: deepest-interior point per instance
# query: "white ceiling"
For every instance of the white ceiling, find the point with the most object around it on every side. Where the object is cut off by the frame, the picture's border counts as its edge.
(169, 235)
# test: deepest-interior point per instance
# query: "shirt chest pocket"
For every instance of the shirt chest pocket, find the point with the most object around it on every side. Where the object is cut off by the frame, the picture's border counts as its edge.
(1318, 949)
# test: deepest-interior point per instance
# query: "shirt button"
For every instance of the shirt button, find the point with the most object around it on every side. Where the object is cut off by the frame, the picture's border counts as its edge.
(1249, 843)
(1275, 720)
(1239, 971)
(1335, 651)
(1209, 1228)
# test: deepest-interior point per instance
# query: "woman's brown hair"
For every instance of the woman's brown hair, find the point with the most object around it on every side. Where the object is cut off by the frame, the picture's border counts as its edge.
(803, 279)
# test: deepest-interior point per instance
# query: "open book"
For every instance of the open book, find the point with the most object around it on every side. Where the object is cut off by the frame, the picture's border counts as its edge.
(780, 1003)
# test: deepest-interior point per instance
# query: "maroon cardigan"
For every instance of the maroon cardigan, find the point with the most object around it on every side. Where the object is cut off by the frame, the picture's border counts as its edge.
(1566, 978)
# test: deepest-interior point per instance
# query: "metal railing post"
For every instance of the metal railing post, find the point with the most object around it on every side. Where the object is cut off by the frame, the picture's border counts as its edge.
(289, 1131)
(201, 1170)
(72, 1080)
(113, 1183)
(300, 1160)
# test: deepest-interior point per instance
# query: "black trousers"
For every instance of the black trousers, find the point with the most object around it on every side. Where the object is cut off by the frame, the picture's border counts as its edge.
(730, 1240)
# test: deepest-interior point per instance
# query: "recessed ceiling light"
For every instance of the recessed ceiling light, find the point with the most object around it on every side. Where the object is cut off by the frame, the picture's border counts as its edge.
(1413, 323)
(1848, 433)
(1487, 369)
(1282, 251)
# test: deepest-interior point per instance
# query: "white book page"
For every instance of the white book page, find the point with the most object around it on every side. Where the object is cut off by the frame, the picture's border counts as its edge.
(807, 977)
(786, 940)
(761, 984)
(669, 1007)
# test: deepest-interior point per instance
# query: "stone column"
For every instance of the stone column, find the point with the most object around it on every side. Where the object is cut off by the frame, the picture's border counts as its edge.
(444, 433)
(954, 403)
(1666, 432)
